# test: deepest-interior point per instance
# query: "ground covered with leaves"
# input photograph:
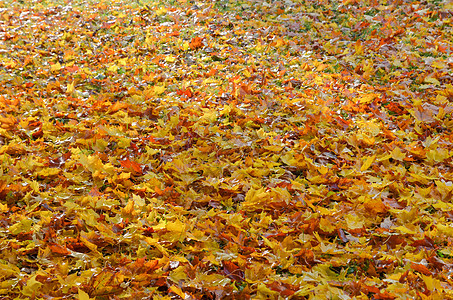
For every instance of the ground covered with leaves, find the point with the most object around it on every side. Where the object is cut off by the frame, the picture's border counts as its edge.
(226, 149)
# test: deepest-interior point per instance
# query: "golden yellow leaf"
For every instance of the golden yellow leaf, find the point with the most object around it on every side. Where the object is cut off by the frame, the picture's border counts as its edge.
(326, 225)
(444, 187)
(367, 98)
(405, 230)
(48, 172)
(70, 88)
(21, 226)
(432, 80)
(367, 163)
(89, 244)
(264, 291)
(439, 64)
(432, 283)
(129, 208)
(55, 67)
(273, 148)
(178, 291)
(397, 154)
(83, 295)
(124, 142)
(161, 11)
(438, 155)
(32, 286)
(170, 59)
(354, 222)
(124, 176)
(122, 62)
(358, 47)
(176, 227)
(118, 106)
(445, 229)
(159, 89)
(259, 47)
(369, 127)
(375, 206)
(113, 68)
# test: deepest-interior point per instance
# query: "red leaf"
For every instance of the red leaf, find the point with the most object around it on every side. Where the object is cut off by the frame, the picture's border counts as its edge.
(232, 271)
(427, 242)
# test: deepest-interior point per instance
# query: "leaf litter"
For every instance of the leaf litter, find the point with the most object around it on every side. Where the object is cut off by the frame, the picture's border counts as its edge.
(226, 149)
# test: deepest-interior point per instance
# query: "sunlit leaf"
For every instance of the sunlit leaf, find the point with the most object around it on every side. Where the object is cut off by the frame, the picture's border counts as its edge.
(367, 163)
(83, 295)
(32, 286)
(225, 149)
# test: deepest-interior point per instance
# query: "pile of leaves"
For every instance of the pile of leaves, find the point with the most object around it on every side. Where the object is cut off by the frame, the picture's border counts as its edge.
(226, 149)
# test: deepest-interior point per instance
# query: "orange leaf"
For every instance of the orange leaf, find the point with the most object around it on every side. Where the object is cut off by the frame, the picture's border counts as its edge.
(118, 106)
(132, 166)
(58, 249)
(196, 42)
(421, 268)
(376, 206)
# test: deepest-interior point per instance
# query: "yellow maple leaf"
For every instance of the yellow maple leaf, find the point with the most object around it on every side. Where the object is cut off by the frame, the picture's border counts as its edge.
(22, 226)
(438, 155)
(3, 207)
(170, 59)
(55, 67)
(129, 208)
(273, 148)
(367, 98)
(70, 88)
(397, 154)
(178, 291)
(444, 187)
(259, 47)
(439, 64)
(112, 68)
(432, 80)
(176, 227)
(254, 197)
(89, 244)
(83, 295)
(353, 221)
(161, 11)
(367, 163)
(124, 176)
(159, 89)
(375, 206)
(405, 230)
(326, 225)
(264, 291)
(48, 172)
(358, 46)
(122, 62)
(32, 286)
(445, 229)
(369, 127)
(432, 283)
